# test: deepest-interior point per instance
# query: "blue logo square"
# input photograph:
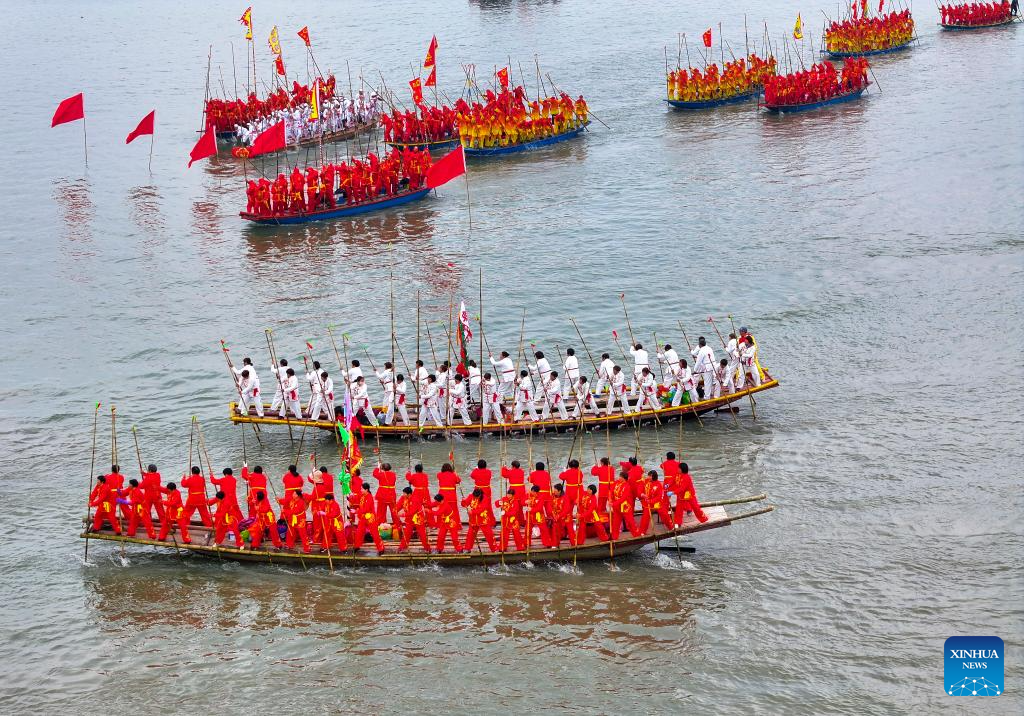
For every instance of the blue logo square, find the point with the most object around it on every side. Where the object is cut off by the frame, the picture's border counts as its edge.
(974, 666)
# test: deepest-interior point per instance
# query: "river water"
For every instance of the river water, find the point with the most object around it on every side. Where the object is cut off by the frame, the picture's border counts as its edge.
(874, 248)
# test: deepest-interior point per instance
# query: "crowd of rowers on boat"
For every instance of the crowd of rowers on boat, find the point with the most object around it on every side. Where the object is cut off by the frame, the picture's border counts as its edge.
(444, 395)
(427, 124)
(973, 14)
(351, 183)
(867, 34)
(225, 114)
(335, 115)
(817, 84)
(509, 118)
(531, 507)
(735, 78)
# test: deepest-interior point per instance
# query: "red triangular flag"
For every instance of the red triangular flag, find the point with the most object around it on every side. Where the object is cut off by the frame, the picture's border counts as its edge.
(503, 77)
(69, 110)
(269, 140)
(205, 147)
(304, 34)
(707, 38)
(451, 165)
(145, 127)
(431, 51)
(431, 80)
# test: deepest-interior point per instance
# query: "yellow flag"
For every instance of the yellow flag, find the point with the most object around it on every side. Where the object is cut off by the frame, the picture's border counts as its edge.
(275, 45)
(798, 29)
(314, 101)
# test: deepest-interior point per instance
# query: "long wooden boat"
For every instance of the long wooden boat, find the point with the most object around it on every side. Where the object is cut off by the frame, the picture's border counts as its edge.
(526, 146)
(341, 210)
(434, 146)
(867, 53)
(951, 26)
(592, 549)
(710, 103)
(523, 427)
(838, 99)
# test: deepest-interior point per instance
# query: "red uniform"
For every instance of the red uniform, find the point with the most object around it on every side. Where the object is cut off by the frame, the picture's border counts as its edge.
(152, 498)
(655, 501)
(449, 523)
(511, 521)
(139, 513)
(573, 479)
(196, 500)
(292, 483)
(335, 527)
(636, 479)
(104, 500)
(255, 482)
(481, 519)
(542, 479)
(622, 509)
(669, 468)
(561, 520)
(293, 510)
(414, 518)
(516, 480)
(225, 518)
(115, 481)
(264, 521)
(420, 484)
(537, 513)
(447, 483)
(481, 477)
(175, 511)
(366, 522)
(686, 500)
(605, 475)
(229, 486)
(386, 498)
(590, 514)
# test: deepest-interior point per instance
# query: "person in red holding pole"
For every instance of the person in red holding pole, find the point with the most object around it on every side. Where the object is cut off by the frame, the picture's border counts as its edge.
(481, 519)
(335, 524)
(481, 477)
(414, 518)
(195, 483)
(561, 517)
(516, 480)
(104, 500)
(573, 479)
(265, 521)
(254, 481)
(590, 514)
(622, 507)
(511, 520)
(420, 483)
(293, 511)
(225, 519)
(654, 502)
(134, 499)
(541, 479)
(605, 474)
(686, 497)
(386, 497)
(366, 521)
(537, 510)
(152, 495)
(447, 483)
(175, 511)
(292, 481)
(228, 484)
(449, 523)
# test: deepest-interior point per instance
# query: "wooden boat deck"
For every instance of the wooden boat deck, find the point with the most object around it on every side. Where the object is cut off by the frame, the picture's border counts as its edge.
(616, 420)
(592, 549)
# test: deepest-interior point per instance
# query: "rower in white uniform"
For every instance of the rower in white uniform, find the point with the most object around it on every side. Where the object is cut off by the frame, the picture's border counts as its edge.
(524, 397)
(640, 361)
(704, 366)
(492, 400)
(505, 371)
(553, 391)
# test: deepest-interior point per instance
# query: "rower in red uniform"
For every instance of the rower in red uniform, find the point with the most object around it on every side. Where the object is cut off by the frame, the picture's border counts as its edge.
(104, 500)
(152, 497)
(589, 514)
(420, 483)
(636, 476)
(605, 474)
(195, 483)
(228, 484)
(175, 511)
(537, 518)
(447, 483)
(335, 524)
(414, 518)
(655, 501)
(449, 522)
(686, 497)
(561, 517)
(225, 519)
(481, 477)
(264, 515)
(134, 497)
(622, 506)
(481, 519)
(541, 479)
(292, 481)
(670, 467)
(254, 481)
(511, 520)
(516, 480)
(573, 479)
(386, 497)
(115, 481)
(293, 510)
(366, 520)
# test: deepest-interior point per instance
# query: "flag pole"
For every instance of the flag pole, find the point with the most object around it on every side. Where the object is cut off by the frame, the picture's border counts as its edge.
(469, 205)
(151, 139)
(85, 141)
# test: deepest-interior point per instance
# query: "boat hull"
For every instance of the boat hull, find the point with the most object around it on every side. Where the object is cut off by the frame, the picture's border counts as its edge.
(712, 103)
(954, 28)
(592, 549)
(884, 51)
(435, 146)
(527, 146)
(838, 99)
(599, 422)
(339, 211)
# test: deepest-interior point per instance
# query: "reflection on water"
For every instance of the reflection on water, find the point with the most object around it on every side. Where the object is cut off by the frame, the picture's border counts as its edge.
(73, 199)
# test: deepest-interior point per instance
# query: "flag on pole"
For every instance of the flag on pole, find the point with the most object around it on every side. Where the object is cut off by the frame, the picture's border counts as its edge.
(464, 336)
(279, 65)
(274, 41)
(304, 34)
(314, 101)
(71, 109)
(246, 19)
(269, 140)
(707, 37)
(863, 8)
(880, 4)
(417, 90)
(798, 29)
(145, 127)
(451, 165)
(205, 147)
(503, 77)
(429, 60)
(431, 80)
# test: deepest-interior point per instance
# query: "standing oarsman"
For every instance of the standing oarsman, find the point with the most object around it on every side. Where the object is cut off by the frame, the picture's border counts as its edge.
(553, 391)
(361, 401)
(291, 395)
(617, 392)
(604, 373)
(428, 403)
(748, 361)
(315, 390)
(685, 383)
(542, 369)
(724, 379)
(584, 398)
(571, 366)
(401, 388)
(279, 378)
(195, 483)
(249, 393)
(387, 382)
(671, 358)
(506, 373)
(732, 350)
(640, 361)
(524, 397)
(474, 381)
(704, 366)
(420, 376)
(491, 400)
(648, 390)
(328, 393)
(457, 400)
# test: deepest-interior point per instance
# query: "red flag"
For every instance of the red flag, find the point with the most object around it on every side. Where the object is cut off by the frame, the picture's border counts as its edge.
(856, 4)
(269, 140)
(451, 165)
(417, 90)
(309, 345)
(880, 4)
(69, 110)
(707, 38)
(863, 8)
(205, 147)
(431, 51)
(279, 64)
(304, 34)
(145, 127)
(503, 77)
(431, 80)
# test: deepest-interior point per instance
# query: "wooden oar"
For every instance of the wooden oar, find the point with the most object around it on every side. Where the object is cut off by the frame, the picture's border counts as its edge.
(92, 474)
(276, 367)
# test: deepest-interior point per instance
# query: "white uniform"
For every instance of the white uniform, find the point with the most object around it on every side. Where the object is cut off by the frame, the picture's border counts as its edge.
(604, 374)
(315, 395)
(748, 361)
(584, 399)
(618, 393)
(672, 359)
(249, 394)
(428, 405)
(704, 367)
(291, 397)
(524, 399)
(571, 369)
(279, 378)
(474, 383)
(640, 361)
(542, 370)
(553, 390)
(421, 379)
(442, 384)
(684, 383)
(648, 393)
(458, 401)
(361, 403)
(387, 382)
(492, 401)
(505, 371)
(732, 350)
(724, 382)
(354, 374)
(328, 397)
(398, 404)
